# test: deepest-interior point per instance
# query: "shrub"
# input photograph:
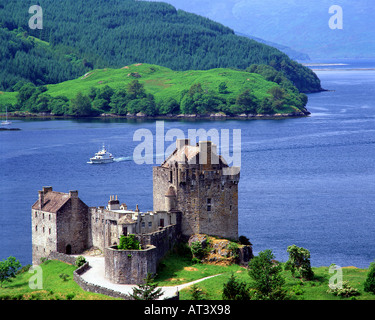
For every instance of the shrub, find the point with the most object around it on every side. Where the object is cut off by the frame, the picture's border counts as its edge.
(64, 276)
(80, 261)
(197, 250)
(370, 280)
(196, 293)
(235, 290)
(244, 241)
(129, 243)
(345, 290)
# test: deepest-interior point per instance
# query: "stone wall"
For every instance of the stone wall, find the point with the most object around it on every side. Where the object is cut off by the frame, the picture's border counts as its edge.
(163, 240)
(129, 266)
(62, 257)
(44, 237)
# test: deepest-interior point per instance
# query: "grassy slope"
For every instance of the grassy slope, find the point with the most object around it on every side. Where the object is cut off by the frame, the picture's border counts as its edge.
(176, 270)
(54, 288)
(161, 82)
(164, 82)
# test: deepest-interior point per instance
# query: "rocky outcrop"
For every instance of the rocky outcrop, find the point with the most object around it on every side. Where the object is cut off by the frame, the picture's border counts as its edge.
(222, 251)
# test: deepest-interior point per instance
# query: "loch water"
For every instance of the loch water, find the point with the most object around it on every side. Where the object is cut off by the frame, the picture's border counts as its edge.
(304, 181)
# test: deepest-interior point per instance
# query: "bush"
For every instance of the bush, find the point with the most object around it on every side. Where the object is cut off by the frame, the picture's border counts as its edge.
(244, 241)
(64, 276)
(129, 243)
(80, 261)
(370, 280)
(197, 250)
(235, 290)
(196, 293)
(345, 291)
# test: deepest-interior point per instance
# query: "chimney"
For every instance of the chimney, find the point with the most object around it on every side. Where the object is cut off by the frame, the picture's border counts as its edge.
(47, 189)
(73, 194)
(205, 152)
(113, 204)
(41, 199)
(181, 143)
(136, 208)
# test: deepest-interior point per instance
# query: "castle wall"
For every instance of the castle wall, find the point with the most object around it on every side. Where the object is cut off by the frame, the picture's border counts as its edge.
(72, 227)
(44, 234)
(129, 266)
(161, 184)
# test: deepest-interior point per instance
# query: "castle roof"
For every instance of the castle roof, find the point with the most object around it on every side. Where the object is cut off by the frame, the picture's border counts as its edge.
(53, 201)
(186, 153)
(126, 220)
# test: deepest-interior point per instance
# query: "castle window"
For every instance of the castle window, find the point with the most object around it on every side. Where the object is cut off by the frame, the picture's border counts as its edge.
(43, 215)
(36, 214)
(230, 209)
(222, 187)
(36, 228)
(49, 217)
(49, 230)
(209, 204)
(43, 229)
(143, 224)
(150, 224)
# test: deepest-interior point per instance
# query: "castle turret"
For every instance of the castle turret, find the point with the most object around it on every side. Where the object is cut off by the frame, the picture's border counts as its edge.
(170, 199)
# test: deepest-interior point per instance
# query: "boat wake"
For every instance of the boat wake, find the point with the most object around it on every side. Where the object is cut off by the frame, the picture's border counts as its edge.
(120, 159)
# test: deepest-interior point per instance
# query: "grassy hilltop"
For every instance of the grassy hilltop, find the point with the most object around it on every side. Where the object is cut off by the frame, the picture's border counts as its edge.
(155, 90)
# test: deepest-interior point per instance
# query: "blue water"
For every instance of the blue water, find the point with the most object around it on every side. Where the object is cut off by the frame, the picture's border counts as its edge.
(307, 181)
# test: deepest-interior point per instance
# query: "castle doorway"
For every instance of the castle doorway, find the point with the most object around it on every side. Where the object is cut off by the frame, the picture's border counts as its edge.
(68, 249)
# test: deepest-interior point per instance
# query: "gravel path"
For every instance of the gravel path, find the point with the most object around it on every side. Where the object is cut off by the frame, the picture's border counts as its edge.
(95, 275)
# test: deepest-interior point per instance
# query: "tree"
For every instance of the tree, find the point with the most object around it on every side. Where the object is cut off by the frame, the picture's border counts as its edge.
(235, 289)
(370, 279)
(196, 292)
(246, 100)
(147, 291)
(8, 269)
(299, 259)
(267, 280)
(265, 106)
(80, 105)
(223, 88)
(136, 90)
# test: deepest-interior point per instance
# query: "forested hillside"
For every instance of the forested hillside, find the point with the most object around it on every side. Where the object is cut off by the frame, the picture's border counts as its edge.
(81, 35)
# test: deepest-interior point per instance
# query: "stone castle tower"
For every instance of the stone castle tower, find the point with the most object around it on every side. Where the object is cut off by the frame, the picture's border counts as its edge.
(198, 182)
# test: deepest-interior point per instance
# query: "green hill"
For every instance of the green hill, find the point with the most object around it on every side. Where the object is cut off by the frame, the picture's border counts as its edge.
(96, 34)
(155, 90)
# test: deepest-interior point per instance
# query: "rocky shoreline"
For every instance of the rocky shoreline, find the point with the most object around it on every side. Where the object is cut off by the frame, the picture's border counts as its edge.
(141, 116)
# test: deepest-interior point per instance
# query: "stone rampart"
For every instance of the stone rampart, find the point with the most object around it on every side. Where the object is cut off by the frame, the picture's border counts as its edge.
(129, 266)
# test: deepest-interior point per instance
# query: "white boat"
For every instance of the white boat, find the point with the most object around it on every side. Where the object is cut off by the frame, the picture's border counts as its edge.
(6, 122)
(103, 156)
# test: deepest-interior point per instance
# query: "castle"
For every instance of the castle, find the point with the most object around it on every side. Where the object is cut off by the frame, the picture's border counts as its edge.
(194, 192)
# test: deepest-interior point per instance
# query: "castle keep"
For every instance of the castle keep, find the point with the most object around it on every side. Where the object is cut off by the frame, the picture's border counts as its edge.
(200, 184)
(194, 191)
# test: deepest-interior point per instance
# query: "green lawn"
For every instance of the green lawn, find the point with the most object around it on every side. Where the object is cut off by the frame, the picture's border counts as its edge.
(54, 287)
(177, 269)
